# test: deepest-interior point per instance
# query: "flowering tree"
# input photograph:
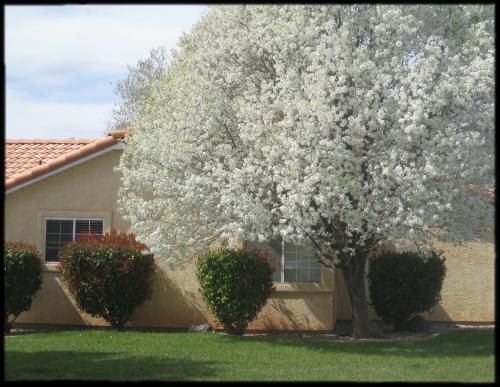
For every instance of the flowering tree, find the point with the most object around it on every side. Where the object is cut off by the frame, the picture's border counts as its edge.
(340, 127)
(134, 89)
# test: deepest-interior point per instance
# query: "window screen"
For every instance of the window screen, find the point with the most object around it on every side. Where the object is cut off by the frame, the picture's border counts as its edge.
(59, 232)
(88, 226)
(292, 263)
(301, 265)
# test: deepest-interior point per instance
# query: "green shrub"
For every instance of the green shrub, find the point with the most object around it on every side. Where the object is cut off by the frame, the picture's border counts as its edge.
(109, 276)
(235, 285)
(23, 278)
(405, 283)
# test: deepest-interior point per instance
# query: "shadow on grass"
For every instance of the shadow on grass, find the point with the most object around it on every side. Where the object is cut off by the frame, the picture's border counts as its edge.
(102, 366)
(457, 344)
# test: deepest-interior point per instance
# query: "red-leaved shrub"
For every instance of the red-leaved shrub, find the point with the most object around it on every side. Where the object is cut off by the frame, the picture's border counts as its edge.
(109, 276)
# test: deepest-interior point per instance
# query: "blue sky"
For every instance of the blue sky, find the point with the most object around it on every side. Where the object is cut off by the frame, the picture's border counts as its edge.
(62, 62)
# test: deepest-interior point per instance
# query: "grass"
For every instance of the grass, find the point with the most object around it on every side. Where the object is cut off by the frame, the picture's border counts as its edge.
(457, 356)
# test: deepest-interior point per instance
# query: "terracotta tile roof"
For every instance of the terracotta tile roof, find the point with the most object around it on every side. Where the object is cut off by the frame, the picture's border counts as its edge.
(22, 155)
(26, 159)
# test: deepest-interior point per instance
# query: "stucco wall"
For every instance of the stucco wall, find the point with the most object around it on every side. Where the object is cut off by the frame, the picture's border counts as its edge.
(468, 292)
(90, 190)
(87, 190)
(177, 302)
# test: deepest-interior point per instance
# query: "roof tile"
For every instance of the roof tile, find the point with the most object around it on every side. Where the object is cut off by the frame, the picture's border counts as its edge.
(26, 159)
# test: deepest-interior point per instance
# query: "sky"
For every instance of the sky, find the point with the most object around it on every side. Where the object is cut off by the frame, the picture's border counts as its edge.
(63, 62)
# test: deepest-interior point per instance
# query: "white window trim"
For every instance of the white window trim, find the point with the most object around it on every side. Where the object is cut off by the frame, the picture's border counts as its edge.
(283, 261)
(74, 219)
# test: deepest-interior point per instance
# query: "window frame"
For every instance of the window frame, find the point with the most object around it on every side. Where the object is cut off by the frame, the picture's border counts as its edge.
(73, 219)
(282, 269)
(279, 258)
(282, 274)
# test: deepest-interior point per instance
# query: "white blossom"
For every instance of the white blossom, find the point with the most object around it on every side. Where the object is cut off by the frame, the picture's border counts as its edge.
(325, 124)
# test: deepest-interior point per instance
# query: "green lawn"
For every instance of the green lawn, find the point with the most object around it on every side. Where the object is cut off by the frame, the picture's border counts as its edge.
(462, 356)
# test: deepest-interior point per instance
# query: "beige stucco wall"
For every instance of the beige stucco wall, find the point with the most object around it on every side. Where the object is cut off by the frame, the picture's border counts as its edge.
(468, 292)
(87, 190)
(177, 303)
(90, 190)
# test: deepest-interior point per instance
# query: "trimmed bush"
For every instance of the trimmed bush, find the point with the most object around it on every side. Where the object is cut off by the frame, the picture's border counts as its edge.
(22, 265)
(235, 285)
(403, 284)
(109, 276)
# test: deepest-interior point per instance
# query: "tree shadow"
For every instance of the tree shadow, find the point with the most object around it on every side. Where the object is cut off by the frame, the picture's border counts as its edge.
(279, 316)
(463, 343)
(52, 365)
(171, 306)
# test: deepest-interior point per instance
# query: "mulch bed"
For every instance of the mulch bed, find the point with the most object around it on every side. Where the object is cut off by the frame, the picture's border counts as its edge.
(343, 331)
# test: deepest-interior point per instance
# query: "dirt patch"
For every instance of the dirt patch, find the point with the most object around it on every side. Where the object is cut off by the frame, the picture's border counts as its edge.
(17, 332)
(343, 331)
(344, 328)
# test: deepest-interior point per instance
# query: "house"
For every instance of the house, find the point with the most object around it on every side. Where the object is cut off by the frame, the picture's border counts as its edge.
(58, 188)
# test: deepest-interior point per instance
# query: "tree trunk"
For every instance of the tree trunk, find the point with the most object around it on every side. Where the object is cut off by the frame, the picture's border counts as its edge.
(354, 277)
(7, 325)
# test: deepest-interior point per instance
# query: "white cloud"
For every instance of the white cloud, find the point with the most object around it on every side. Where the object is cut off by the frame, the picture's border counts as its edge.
(62, 62)
(101, 38)
(27, 118)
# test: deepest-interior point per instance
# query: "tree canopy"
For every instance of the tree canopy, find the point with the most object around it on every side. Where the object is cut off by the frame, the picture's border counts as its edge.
(341, 127)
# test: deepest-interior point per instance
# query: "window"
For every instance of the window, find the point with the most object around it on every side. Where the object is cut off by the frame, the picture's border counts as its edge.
(59, 232)
(300, 264)
(293, 263)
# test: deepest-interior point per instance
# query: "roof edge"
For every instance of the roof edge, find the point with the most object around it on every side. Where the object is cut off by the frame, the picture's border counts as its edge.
(50, 140)
(61, 161)
(21, 184)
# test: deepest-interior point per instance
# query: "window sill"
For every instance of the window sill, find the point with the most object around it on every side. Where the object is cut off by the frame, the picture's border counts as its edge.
(51, 267)
(302, 288)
